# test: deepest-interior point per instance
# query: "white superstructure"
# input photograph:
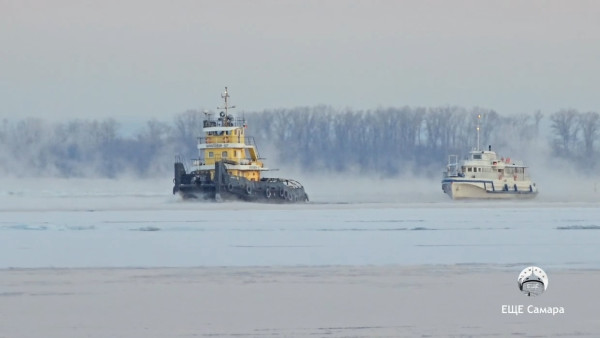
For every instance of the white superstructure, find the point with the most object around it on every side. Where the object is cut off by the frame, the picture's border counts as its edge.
(482, 175)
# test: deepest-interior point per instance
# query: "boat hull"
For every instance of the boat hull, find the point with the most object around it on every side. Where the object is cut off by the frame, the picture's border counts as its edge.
(488, 189)
(258, 193)
(220, 186)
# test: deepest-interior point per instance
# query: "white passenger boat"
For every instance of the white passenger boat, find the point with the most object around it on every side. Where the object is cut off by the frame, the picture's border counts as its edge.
(485, 176)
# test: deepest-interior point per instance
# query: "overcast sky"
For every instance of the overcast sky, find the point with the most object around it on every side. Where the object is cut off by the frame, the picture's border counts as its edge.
(152, 59)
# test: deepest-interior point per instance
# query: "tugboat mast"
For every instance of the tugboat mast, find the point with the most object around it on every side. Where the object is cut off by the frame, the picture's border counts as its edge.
(478, 120)
(225, 96)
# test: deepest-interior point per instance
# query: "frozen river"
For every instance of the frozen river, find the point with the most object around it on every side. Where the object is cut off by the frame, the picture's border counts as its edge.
(153, 229)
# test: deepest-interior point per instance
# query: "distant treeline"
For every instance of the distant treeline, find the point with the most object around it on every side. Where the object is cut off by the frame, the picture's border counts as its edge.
(383, 141)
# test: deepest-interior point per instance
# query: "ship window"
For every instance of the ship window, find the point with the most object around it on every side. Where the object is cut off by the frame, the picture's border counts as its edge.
(469, 169)
(477, 156)
(235, 153)
(224, 154)
(479, 169)
(211, 154)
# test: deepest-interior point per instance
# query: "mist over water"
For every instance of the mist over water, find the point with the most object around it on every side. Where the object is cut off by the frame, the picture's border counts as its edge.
(556, 180)
(359, 217)
(349, 221)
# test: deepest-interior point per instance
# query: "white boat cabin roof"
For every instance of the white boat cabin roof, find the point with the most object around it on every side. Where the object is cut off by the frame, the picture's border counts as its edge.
(489, 157)
(482, 155)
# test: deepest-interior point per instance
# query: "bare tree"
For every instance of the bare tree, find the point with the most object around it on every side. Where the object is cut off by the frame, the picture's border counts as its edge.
(589, 123)
(564, 123)
(187, 127)
(384, 141)
(538, 116)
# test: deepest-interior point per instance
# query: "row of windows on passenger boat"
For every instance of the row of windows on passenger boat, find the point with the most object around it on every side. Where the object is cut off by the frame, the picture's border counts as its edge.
(508, 171)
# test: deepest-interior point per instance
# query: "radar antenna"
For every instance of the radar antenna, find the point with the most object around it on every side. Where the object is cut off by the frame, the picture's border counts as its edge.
(225, 114)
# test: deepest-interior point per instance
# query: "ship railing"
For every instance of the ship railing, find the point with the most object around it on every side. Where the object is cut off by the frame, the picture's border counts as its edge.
(452, 166)
(250, 141)
(218, 157)
(215, 158)
(213, 139)
(225, 121)
(198, 162)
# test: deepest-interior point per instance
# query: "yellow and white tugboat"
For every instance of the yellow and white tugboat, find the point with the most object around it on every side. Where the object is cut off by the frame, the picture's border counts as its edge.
(483, 175)
(229, 166)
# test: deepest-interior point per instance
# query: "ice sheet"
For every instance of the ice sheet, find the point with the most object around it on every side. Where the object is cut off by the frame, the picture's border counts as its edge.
(106, 223)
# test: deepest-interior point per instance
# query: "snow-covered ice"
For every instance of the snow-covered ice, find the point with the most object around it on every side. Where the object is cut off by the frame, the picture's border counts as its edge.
(105, 223)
